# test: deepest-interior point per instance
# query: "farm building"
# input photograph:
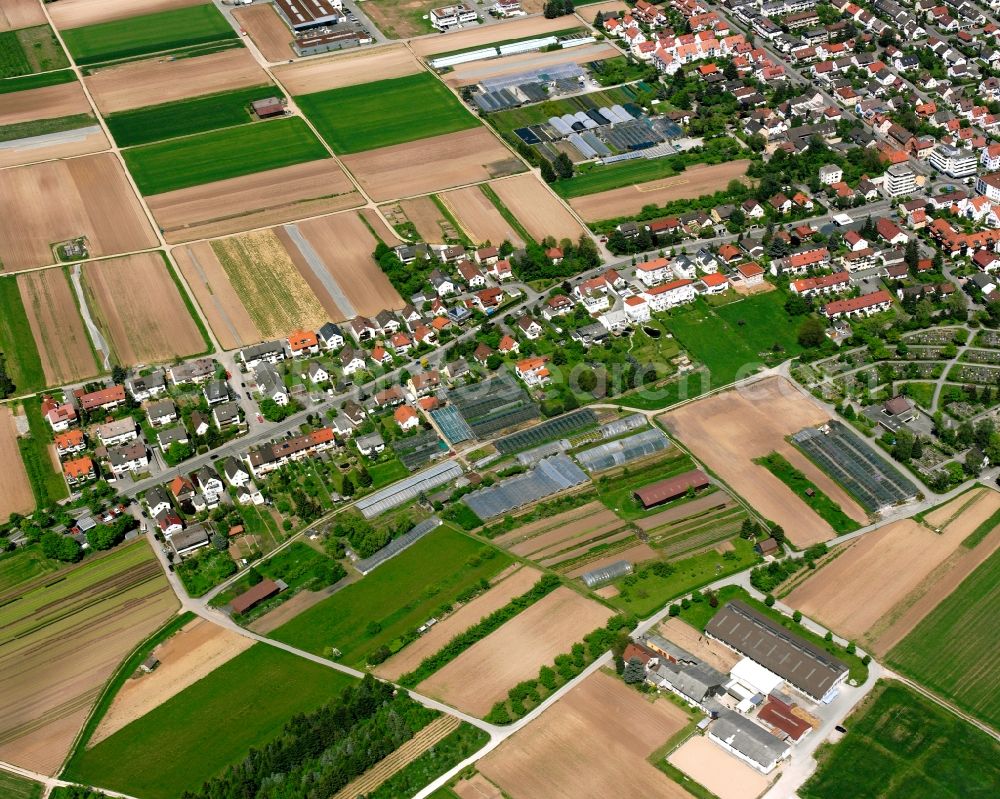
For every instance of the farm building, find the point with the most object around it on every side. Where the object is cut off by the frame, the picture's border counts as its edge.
(256, 594)
(303, 15)
(606, 574)
(805, 667)
(187, 541)
(268, 107)
(780, 715)
(748, 741)
(665, 490)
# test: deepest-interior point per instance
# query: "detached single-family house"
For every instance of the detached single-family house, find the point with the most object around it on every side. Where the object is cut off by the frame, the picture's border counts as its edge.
(406, 417)
(269, 384)
(161, 412)
(117, 432)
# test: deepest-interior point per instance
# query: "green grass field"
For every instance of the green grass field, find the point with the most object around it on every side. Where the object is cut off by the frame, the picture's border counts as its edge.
(387, 472)
(41, 127)
(196, 734)
(186, 117)
(826, 508)
(17, 343)
(222, 154)
(732, 339)
(148, 33)
(30, 50)
(614, 176)
(27, 82)
(298, 565)
(386, 112)
(12, 787)
(901, 745)
(398, 596)
(47, 483)
(23, 564)
(953, 650)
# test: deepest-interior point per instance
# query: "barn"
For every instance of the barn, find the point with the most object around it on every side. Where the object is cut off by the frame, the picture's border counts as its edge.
(268, 107)
(665, 490)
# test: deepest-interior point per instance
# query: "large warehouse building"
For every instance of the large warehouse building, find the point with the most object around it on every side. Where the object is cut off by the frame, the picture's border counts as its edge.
(303, 15)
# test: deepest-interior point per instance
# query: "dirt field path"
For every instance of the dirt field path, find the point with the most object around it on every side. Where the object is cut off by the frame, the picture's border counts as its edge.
(192, 653)
(347, 69)
(49, 102)
(15, 490)
(535, 207)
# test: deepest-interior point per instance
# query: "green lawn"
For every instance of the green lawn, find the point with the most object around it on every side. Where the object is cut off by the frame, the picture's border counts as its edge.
(826, 508)
(27, 82)
(17, 343)
(953, 650)
(386, 112)
(42, 127)
(921, 393)
(387, 472)
(47, 483)
(901, 745)
(613, 176)
(222, 154)
(148, 33)
(186, 117)
(196, 734)
(23, 564)
(12, 787)
(29, 50)
(397, 597)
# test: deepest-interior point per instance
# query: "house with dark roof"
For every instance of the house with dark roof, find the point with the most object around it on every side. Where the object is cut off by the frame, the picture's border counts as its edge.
(748, 741)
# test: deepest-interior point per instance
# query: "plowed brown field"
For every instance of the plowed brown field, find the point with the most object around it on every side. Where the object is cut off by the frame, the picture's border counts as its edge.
(728, 430)
(60, 200)
(252, 201)
(592, 742)
(537, 209)
(77, 13)
(347, 69)
(429, 165)
(482, 675)
(267, 31)
(141, 310)
(472, 613)
(16, 14)
(141, 83)
(426, 218)
(15, 490)
(478, 217)
(49, 102)
(82, 141)
(56, 326)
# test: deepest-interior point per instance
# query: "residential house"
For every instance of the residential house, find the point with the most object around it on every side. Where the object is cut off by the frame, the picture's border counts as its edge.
(117, 432)
(80, 470)
(171, 435)
(351, 361)
(424, 383)
(226, 415)
(156, 500)
(131, 457)
(265, 352)
(750, 274)
(317, 373)
(69, 442)
(370, 445)
(104, 399)
(270, 384)
(302, 343)
(331, 336)
(637, 309)
(161, 413)
(146, 387)
(406, 417)
(670, 295)
(59, 415)
(865, 305)
(216, 391)
(192, 372)
(533, 371)
(235, 474)
(529, 328)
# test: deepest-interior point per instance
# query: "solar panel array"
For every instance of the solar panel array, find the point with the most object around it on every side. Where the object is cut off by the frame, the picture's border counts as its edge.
(550, 476)
(493, 405)
(874, 482)
(402, 492)
(397, 545)
(452, 424)
(417, 450)
(623, 450)
(552, 428)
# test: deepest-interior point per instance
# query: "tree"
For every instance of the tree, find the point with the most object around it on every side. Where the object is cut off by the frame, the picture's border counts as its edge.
(828, 637)
(254, 577)
(586, 380)
(220, 542)
(769, 600)
(851, 648)
(902, 450)
(778, 533)
(176, 453)
(60, 547)
(634, 671)
(119, 374)
(347, 487)
(811, 333)
(973, 462)
(797, 616)
(364, 478)
(564, 166)
(548, 173)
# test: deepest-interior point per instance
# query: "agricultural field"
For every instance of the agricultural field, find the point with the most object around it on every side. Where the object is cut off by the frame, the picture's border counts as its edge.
(134, 84)
(484, 673)
(40, 81)
(855, 595)
(807, 491)
(727, 431)
(57, 201)
(17, 14)
(507, 66)
(65, 349)
(78, 13)
(39, 458)
(475, 37)
(401, 19)
(396, 598)
(595, 741)
(347, 69)
(67, 144)
(13, 787)
(276, 297)
(219, 155)
(147, 34)
(432, 164)
(208, 726)
(368, 116)
(899, 745)
(62, 639)
(25, 563)
(138, 331)
(479, 218)
(266, 30)
(22, 360)
(712, 767)
(952, 651)
(15, 489)
(42, 104)
(253, 201)
(533, 205)
(30, 50)
(186, 117)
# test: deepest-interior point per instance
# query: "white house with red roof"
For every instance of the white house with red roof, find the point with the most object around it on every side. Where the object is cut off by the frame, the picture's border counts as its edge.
(533, 371)
(669, 295)
(637, 309)
(406, 417)
(652, 273)
(715, 283)
(855, 241)
(750, 274)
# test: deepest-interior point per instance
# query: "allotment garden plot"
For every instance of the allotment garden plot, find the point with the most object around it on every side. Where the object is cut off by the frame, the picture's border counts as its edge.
(29, 51)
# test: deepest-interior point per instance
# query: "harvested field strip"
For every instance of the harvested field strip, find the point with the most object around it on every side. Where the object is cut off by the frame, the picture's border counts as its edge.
(430, 735)
(17, 341)
(718, 500)
(548, 523)
(601, 543)
(634, 554)
(271, 289)
(939, 518)
(347, 69)
(62, 99)
(534, 206)
(564, 529)
(576, 540)
(186, 117)
(17, 14)
(479, 217)
(807, 491)
(15, 489)
(148, 33)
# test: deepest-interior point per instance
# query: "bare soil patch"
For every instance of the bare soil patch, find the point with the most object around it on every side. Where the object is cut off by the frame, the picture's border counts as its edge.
(432, 164)
(637, 554)
(49, 102)
(692, 182)
(347, 69)
(215, 295)
(854, 591)
(485, 35)
(728, 430)
(15, 490)
(477, 787)
(192, 653)
(141, 309)
(476, 71)
(252, 201)
(717, 655)
(426, 218)
(309, 275)
(16, 14)
(553, 540)
(585, 547)
(948, 513)
(472, 613)
(478, 217)
(537, 208)
(161, 80)
(592, 742)
(59, 200)
(715, 500)
(345, 244)
(56, 326)
(542, 525)
(711, 766)
(483, 674)
(67, 144)
(68, 14)
(267, 31)
(589, 11)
